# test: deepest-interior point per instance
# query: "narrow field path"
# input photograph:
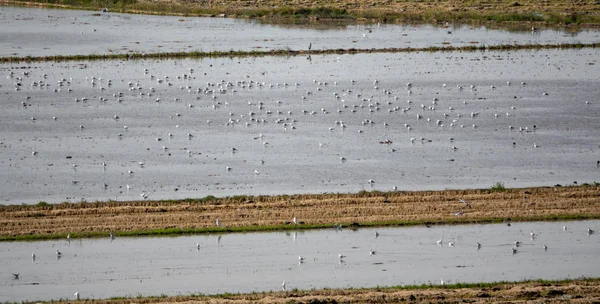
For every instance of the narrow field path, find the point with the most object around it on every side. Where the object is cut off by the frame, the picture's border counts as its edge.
(243, 213)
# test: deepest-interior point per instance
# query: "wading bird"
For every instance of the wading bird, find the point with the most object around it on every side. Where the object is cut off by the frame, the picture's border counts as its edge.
(465, 202)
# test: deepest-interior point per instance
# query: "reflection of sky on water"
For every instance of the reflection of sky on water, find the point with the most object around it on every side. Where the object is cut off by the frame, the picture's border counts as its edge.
(99, 268)
(40, 32)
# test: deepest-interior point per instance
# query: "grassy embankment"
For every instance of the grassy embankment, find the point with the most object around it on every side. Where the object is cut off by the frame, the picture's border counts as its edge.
(289, 52)
(538, 291)
(547, 12)
(268, 213)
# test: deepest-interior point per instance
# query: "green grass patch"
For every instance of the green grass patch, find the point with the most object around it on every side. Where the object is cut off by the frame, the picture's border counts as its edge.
(498, 187)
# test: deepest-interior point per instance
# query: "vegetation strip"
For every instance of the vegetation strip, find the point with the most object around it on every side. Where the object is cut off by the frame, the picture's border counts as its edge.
(288, 52)
(585, 290)
(549, 12)
(268, 213)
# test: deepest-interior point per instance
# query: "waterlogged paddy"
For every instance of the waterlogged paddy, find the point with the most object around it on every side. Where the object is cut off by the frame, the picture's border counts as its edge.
(151, 129)
(101, 268)
(42, 32)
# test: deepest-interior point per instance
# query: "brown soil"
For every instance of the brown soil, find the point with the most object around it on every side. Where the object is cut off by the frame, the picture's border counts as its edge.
(578, 291)
(369, 208)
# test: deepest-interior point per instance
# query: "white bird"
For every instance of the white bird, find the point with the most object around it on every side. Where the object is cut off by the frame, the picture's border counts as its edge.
(68, 237)
(450, 244)
(439, 242)
(76, 295)
(565, 228)
(545, 247)
(295, 220)
(283, 286)
(517, 243)
(441, 281)
(532, 234)
(341, 256)
(301, 259)
(372, 252)
(218, 223)
(376, 234)
(197, 246)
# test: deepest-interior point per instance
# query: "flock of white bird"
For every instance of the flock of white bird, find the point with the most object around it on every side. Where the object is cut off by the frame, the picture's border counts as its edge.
(385, 109)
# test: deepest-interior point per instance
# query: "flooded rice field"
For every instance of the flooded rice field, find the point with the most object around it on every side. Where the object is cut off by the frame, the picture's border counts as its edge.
(170, 129)
(42, 32)
(210, 264)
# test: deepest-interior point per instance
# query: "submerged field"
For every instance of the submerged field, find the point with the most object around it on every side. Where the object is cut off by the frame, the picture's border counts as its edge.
(126, 136)
(276, 212)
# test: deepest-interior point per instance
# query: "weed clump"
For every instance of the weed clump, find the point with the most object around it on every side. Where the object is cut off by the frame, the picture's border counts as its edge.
(498, 187)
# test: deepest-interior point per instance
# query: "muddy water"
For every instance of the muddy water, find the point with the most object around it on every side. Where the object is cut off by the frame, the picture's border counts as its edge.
(99, 268)
(294, 125)
(40, 32)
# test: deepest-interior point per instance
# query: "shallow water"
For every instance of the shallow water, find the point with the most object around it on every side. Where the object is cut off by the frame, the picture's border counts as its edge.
(42, 32)
(99, 268)
(298, 152)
